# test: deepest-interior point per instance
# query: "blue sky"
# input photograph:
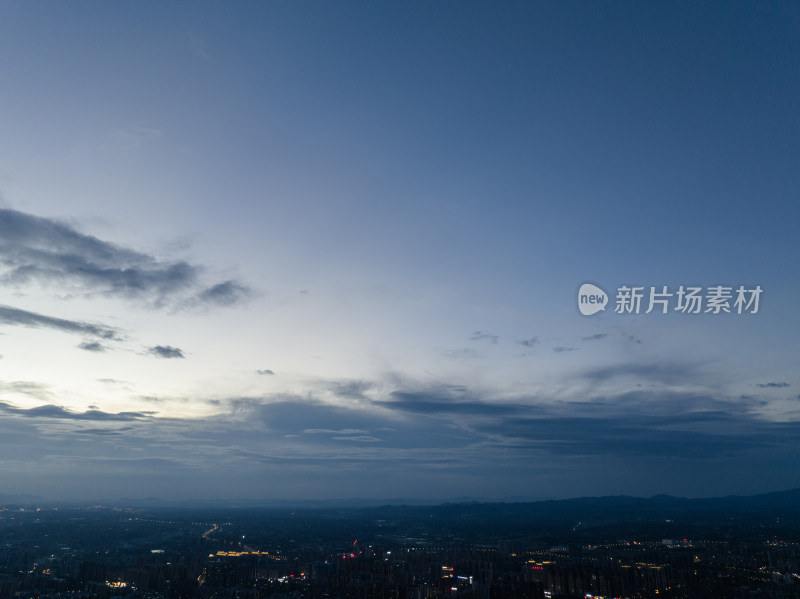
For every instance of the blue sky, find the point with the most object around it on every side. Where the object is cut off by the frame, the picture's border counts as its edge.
(325, 250)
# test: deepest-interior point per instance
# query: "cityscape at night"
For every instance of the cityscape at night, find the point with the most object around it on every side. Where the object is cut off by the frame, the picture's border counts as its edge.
(589, 548)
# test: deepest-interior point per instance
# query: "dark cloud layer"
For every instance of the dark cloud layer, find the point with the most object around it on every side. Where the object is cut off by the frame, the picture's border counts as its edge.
(49, 252)
(443, 402)
(689, 435)
(421, 433)
(655, 423)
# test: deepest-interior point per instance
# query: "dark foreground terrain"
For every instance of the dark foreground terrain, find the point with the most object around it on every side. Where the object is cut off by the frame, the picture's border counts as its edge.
(738, 547)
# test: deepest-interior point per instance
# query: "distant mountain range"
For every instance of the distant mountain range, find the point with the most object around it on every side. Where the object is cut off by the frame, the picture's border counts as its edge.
(625, 507)
(586, 507)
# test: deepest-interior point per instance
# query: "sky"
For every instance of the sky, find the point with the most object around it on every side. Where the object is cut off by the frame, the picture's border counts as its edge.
(325, 250)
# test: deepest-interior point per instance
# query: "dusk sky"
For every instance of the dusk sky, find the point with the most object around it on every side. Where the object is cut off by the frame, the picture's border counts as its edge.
(272, 250)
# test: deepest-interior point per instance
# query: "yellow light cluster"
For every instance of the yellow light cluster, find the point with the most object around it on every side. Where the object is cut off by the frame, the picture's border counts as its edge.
(117, 585)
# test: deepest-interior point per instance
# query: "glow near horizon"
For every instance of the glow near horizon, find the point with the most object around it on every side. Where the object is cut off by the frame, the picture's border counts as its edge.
(408, 196)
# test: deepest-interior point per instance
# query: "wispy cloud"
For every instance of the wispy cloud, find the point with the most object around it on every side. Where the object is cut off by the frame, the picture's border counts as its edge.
(15, 316)
(52, 253)
(780, 385)
(662, 372)
(29, 388)
(529, 342)
(351, 389)
(265, 371)
(481, 336)
(329, 431)
(57, 412)
(595, 337)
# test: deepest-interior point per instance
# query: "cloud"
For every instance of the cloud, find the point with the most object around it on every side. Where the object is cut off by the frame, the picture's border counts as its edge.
(662, 372)
(529, 342)
(480, 336)
(223, 294)
(100, 431)
(624, 437)
(166, 351)
(320, 429)
(644, 424)
(57, 412)
(15, 316)
(426, 432)
(329, 431)
(595, 337)
(561, 349)
(772, 385)
(49, 252)
(443, 401)
(461, 354)
(92, 346)
(355, 389)
(31, 388)
(266, 371)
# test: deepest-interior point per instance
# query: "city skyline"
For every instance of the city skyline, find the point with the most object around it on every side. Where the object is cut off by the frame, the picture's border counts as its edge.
(321, 251)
